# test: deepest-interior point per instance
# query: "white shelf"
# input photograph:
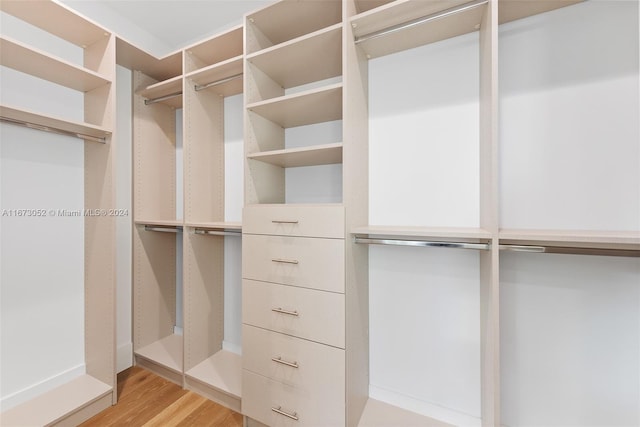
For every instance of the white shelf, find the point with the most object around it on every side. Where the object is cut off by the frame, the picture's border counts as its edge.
(166, 352)
(467, 235)
(58, 123)
(164, 88)
(222, 371)
(218, 72)
(509, 10)
(380, 414)
(59, 403)
(217, 225)
(297, 62)
(326, 154)
(304, 108)
(403, 11)
(161, 223)
(37, 63)
(625, 240)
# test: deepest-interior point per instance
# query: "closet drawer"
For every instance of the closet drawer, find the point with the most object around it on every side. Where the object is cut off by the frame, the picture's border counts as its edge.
(300, 261)
(262, 398)
(299, 363)
(304, 313)
(292, 220)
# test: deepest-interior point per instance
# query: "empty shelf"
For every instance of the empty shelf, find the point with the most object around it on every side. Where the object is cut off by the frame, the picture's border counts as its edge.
(165, 88)
(216, 225)
(166, 352)
(222, 371)
(160, 223)
(468, 235)
(216, 49)
(295, 157)
(624, 240)
(217, 72)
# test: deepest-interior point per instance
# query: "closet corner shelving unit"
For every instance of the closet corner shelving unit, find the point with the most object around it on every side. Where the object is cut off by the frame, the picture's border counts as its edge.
(84, 396)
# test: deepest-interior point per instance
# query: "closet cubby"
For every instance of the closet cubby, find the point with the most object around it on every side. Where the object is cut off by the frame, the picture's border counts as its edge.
(93, 77)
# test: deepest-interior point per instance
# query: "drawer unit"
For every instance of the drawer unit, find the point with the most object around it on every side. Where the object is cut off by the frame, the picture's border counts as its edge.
(276, 404)
(293, 361)
(300, 261)
(304, 313)
(292, 220)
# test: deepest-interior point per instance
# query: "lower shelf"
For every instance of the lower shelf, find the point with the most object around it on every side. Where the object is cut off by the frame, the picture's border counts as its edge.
(218, 378)
(73, 403)
(380, 414)
(163, 357)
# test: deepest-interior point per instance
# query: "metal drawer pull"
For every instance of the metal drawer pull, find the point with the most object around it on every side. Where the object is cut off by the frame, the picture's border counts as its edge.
(285, 261)
(284, 362)
(276, 221)
(279, 410)
(280, 310)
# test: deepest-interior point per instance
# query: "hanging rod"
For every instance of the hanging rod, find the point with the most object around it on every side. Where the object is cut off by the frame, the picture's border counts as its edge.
(217, 82)
(419, 21)
(423, 243)
(161, 98)
(571, 251)
(217, 233)
(50, 129)
(163, 229)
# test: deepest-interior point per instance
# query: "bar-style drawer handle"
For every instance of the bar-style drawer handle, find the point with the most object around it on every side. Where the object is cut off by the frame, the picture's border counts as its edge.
(284, 362)
(285, 261)
(279, 410)
(281, 311)
(278, 221)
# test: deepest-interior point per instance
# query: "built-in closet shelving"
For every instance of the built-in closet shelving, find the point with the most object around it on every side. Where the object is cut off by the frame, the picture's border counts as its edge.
(88, 394)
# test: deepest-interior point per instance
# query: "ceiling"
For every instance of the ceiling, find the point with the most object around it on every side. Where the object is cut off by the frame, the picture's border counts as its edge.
(164, 26)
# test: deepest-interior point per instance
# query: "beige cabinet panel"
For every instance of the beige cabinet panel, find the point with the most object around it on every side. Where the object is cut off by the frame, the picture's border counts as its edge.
(292, 220)
(299, 261)
(304, 313)
(277, 404)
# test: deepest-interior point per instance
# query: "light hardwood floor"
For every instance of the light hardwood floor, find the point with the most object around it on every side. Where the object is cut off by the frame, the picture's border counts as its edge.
(146, 399)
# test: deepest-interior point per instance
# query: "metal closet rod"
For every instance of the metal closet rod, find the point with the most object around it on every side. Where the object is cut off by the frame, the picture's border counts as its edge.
(419, 21)
(163, 229)
(217, 232)
(571, 251)
(161, 98)
(50, 129)
(217, 82)
(423, 243)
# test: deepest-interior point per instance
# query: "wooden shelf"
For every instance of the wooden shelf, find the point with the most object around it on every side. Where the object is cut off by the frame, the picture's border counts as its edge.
(37, 119)
(80, 394)
(365, 5)
(509, 10)
(134, 58)
(166, 352)
(160, 223)
(305, 108)
(295, 157)
(402, 11)
(216, 225)
(56, 19)
(297, 62)
(380, 414)
(288, 20)
(222, 371)
(164, 88)
(37, 63)
(625, 240)
(216, 49)
(220, 71)
(447, 234)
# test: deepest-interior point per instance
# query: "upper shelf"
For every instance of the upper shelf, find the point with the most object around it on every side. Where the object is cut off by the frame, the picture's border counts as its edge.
(326, 154)
(625, 240)
(165, 88)
(509, 10)
(219, 73)
(214, 50)
(304, 108)
(56, 19)
(466, 19)
(297, 62)
(21, 57)
(287, 20)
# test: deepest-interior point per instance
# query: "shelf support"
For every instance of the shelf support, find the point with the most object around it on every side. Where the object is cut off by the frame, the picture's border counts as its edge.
(36, 126)
(423, 243)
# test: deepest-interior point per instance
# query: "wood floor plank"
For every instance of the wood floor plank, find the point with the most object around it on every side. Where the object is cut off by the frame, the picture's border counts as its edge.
(148, 400)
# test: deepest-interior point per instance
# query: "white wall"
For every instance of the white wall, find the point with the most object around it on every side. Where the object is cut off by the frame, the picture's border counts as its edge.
(42, 258)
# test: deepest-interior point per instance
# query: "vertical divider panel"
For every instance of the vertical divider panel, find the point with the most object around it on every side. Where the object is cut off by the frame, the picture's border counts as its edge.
(356, 201)
(489, 260)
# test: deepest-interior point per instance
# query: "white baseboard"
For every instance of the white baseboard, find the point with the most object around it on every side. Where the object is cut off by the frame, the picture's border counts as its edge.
(124, 356)
(421, 407)
(28, 393)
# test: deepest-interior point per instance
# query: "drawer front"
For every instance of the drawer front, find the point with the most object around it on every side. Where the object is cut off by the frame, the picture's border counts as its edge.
(300, 261)
(276, 404)
(304, 313)
(291, 220)
(293, 361)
